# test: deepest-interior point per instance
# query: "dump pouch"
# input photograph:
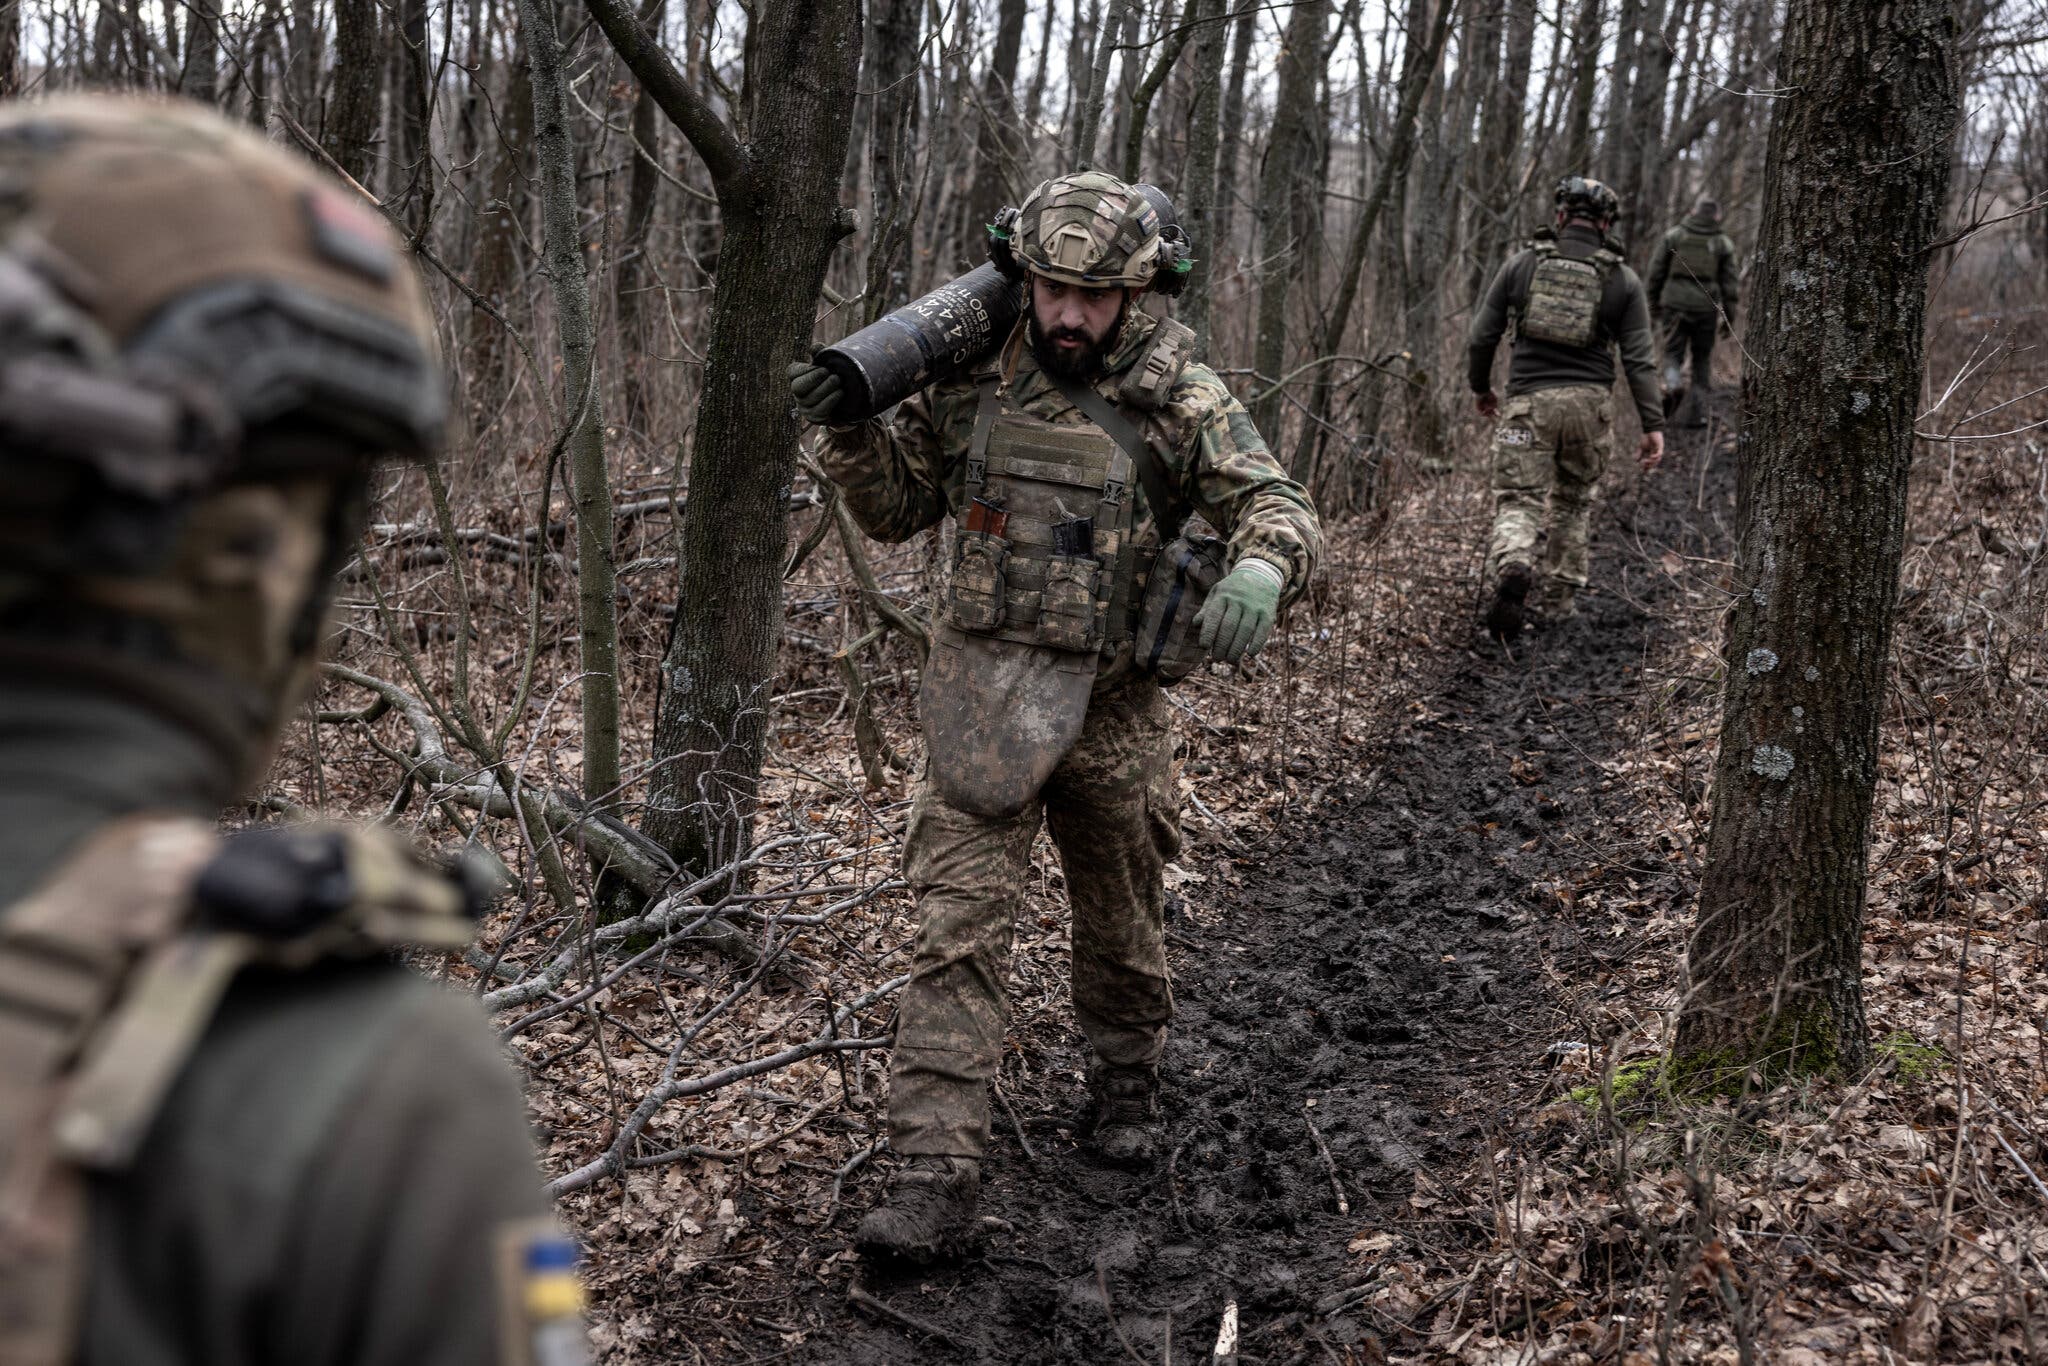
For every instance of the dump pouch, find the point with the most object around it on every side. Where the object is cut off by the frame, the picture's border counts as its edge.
(1166, 644)
(998, 716)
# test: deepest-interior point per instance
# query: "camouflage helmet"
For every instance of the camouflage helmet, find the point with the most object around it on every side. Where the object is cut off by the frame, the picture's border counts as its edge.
(1089, 228)
(204, 345)
(1584, 197)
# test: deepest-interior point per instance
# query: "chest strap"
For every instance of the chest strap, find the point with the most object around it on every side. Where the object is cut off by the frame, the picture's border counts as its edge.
(1167, 511)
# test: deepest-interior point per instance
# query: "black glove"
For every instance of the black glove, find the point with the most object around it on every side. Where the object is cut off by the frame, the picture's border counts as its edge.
(815, 389)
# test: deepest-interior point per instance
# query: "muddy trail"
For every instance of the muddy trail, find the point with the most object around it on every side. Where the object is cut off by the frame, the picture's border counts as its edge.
(1377, 984)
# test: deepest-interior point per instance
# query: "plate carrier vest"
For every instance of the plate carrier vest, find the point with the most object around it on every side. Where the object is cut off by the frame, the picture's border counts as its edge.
(1563, 303)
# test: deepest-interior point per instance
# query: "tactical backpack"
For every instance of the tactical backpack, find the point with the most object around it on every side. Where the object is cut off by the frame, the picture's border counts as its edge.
(1563, 303)
(110, 974)
(1695, 261)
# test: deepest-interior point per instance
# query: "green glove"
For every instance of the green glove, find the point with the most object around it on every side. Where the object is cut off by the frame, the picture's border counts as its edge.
(1239, 614)
(815, 389)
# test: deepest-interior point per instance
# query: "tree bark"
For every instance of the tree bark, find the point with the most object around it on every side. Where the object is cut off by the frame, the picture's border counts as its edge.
(413, 100)
(1500, 135)
(781, 220)
(1246, 21)
(1418, 68)
(997, 148)
(505, 205)
(1288, 204)
(893, 29)
(1642, 139)
(1856, 176)
(597, 616)
(1199, 210)
(200, 77)
(10, 49)
(634, 280)
(352, 109)
(1578, 139)
(1098, 81)
(1170, 48)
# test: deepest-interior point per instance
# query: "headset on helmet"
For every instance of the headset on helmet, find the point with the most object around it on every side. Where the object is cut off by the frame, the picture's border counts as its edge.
(1172, 257)
(1584, 197)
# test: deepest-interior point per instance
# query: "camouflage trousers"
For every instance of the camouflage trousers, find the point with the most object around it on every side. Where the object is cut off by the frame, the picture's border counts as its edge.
(1112, 812)
(1548, 454)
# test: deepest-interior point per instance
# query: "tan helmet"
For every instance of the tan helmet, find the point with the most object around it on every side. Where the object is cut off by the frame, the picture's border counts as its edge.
(205, 344)
(1089, 228)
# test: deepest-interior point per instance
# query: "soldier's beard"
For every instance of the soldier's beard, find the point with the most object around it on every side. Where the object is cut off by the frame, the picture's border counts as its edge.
(1085, 361)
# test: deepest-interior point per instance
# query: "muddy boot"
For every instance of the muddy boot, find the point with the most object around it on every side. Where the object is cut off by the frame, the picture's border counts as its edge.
(1121, 1119)
(1556, 603)
(1510, 597)
(928, 1212)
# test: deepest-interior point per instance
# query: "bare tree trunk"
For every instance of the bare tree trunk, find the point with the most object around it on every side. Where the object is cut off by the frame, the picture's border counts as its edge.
(1035, 102)
(1098, 81)
(893, 28)
(10, 48)
(997, 150)
(1500, 135)
(1233, 120)
(200, 78)
(1614, 139)
(1418, 68)
(1198, 211)
(413, 109)
(1642, 137)
(351, 123)
(1578, 141)
(1288, 202)
(504, 214)
(781, 220)
(1858, 171)
(1170, 48)
(634, 279)
(597, 616)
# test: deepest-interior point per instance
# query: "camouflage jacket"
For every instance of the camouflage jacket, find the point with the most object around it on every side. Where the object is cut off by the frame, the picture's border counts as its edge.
(906, 475)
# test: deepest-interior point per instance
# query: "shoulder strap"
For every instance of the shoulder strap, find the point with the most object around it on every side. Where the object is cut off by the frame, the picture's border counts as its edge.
(64, 955)
(1166, 510)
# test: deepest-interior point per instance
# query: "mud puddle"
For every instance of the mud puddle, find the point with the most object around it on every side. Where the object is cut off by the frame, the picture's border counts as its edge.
(1378, 985)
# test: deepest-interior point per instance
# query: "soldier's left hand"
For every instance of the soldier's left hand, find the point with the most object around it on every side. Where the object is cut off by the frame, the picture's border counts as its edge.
(1239, 615)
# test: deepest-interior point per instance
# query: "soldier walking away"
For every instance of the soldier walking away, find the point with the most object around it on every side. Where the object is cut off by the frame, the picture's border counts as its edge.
(234, 1129)
(1069, 460)
(1571, 303)
(1693, 293)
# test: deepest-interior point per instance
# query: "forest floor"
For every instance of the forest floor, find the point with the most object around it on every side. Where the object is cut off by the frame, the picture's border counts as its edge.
(1427, 933)
(1360, 1023)
(1405, 1093)
(1360, 1020)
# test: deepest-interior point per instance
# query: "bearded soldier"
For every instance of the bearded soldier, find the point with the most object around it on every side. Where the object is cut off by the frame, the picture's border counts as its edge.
(233, 1128)
(1572, 303)
(1068, 460)
(1693, 292)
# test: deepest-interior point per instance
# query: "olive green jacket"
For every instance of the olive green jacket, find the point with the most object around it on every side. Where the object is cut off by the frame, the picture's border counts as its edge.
(1694, 270)
(326, 1183)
